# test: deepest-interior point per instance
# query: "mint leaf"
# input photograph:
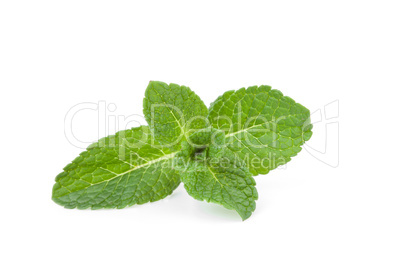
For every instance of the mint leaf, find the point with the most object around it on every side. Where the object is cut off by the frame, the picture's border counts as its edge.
(222, 181)
(262, 127)
(117, 171)
(213, 152)
(172, 111)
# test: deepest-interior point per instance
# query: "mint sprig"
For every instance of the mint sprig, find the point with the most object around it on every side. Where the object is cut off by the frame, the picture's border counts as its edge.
(213, 152)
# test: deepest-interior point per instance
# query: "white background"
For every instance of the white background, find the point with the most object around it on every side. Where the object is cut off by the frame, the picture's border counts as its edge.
(56, 54)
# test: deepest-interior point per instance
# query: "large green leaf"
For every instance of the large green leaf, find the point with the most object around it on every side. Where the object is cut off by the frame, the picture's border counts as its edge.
(222, 181)
(262, 127)
(117, 171)
(172, 111)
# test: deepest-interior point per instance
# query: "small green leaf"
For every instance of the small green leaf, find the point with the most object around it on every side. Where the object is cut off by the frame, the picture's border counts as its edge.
(203, 144)
(117, 171)
(262, 127)
(222, 181)
(172, 111)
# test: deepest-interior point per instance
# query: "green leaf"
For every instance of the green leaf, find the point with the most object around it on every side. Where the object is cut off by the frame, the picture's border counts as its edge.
(213, 152)
(262, 127)
(117, 171)
(222, 181)
(173, 111)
